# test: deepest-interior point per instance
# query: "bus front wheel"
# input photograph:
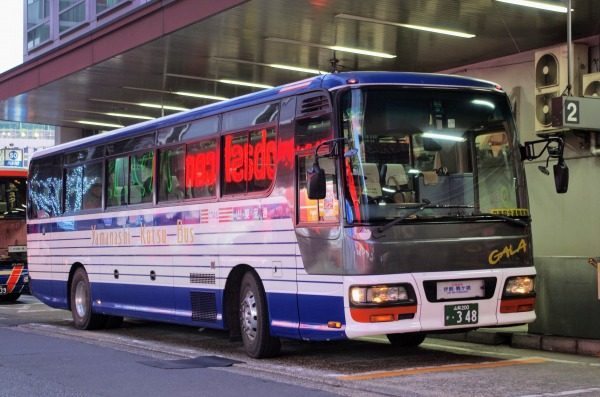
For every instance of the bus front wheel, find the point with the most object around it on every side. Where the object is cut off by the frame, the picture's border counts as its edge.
(254, 319)
(412, 339)
(81, 303)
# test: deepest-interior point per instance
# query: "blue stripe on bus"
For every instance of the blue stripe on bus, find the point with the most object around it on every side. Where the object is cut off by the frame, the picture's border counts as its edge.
(292, 316)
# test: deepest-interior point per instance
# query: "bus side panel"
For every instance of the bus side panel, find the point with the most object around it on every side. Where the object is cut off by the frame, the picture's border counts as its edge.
(316, 312)
(45, 291)
(283, 313)
(151, 302)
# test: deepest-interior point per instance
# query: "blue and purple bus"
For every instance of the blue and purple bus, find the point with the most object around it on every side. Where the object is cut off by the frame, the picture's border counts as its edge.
(340, 206)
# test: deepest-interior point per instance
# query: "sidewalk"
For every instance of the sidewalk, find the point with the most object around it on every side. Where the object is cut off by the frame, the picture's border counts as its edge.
(519, 338)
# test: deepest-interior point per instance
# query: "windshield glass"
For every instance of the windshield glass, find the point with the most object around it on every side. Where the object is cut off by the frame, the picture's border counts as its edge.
(445, 152)
(12, 197)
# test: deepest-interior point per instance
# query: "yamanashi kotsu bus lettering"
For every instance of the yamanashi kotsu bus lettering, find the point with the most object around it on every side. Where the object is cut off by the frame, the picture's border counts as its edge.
(341, 206)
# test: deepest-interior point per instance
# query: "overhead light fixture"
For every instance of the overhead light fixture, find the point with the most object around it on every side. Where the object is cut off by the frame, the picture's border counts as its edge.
(359, 51)
(272, 65)
(295, 68)
(444, 137)
(409, 26)
(537, 4)
(224, 81)
(182, 93)
(114, 114)
(98, 123)
(161, 106)
(129, 116)
(244, 83)
(144, 104)
(197, 95)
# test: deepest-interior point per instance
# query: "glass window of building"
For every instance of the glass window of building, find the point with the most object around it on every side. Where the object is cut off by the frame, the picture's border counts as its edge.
(71, 13)
(103, 5)
(38, 22)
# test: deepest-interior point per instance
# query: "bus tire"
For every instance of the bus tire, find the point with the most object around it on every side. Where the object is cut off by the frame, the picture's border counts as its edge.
(411, 339)
(81, 303)
(254, 319)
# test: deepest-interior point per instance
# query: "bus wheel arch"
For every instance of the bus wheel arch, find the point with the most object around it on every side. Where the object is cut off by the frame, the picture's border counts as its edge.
(244, 293)
(231, 301)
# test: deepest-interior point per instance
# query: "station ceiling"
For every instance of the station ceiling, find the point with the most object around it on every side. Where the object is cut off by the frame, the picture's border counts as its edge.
(243, 40)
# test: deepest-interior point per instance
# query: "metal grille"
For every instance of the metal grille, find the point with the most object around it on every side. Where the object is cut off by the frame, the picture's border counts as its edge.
(314, 104)
(202, 278)
(204, 306)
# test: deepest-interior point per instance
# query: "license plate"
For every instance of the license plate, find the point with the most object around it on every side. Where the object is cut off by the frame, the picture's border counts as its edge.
(461, 314)
(2, 289)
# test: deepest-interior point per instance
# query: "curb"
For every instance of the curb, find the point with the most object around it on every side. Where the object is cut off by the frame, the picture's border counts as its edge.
(521, 340)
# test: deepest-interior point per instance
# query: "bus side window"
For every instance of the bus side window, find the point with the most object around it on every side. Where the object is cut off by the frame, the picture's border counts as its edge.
(45, 192)
(201, 161)
(141, 177)
(117, 181)
(92, 186)
(171, 175)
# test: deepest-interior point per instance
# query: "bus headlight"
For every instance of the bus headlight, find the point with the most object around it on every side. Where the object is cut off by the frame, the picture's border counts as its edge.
(379, 294)
(519, 286)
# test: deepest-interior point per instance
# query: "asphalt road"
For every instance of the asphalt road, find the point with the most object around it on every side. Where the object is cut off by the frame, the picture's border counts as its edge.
(42, 354)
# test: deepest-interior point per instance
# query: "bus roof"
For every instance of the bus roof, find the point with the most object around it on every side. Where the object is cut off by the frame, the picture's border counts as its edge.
(326, 81)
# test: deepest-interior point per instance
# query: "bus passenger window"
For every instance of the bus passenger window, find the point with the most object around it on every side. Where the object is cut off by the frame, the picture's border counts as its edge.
(73, 188)
(92, 186)
(117, 181)
(141, 178)
(261, 160)
(45, 190)
(234, 162)
(171, 174)
(201, 169)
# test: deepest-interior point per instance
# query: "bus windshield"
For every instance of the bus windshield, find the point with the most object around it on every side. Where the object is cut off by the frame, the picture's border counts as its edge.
(12, 197)
(428, 153)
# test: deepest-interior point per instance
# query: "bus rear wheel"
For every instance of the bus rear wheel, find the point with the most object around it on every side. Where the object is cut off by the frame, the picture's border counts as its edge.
(81, 303)
(254, 320)
(411, 339)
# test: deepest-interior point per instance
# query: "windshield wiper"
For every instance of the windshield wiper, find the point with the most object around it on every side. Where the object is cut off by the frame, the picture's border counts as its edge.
(426, 204)
(511, 220)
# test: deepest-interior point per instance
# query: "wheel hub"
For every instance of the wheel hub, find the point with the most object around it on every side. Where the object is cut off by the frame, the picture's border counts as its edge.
(80, 300)
(249, 315)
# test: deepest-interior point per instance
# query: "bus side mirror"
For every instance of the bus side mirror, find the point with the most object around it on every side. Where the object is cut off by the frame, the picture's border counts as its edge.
(554, 147)
(315, 179)
(561, 177)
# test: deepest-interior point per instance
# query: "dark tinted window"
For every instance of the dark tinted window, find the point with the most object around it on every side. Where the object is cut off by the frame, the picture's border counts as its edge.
(254, 115)
(45, 190)
(141, 178)
(117, 181)
(249, 161)
(201, 169)
(83, 187)
(190, 131)
(171, 174)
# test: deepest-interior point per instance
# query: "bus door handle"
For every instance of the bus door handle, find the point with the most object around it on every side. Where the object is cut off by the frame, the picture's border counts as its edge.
(152, 275)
